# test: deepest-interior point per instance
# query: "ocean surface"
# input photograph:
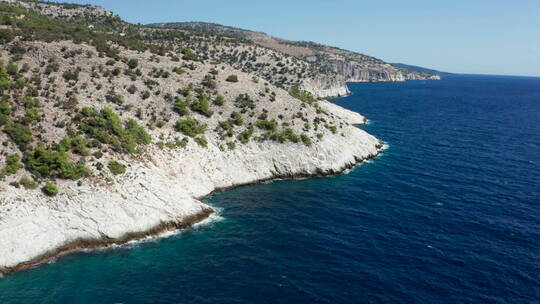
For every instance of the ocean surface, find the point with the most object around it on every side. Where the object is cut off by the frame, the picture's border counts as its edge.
(449, 213)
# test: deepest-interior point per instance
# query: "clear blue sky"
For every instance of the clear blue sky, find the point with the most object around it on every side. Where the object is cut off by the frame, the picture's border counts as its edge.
(464, 36)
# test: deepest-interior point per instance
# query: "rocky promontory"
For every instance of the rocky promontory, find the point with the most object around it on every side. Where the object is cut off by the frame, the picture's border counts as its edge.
(112, 132)
(325, 70)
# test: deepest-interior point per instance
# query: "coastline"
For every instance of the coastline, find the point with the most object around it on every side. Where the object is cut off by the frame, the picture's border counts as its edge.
(162, 192)
(103, 243)
(185, 223)
(341, 91)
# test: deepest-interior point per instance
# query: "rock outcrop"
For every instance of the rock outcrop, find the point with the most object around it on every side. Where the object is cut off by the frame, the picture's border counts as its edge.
(324, 86)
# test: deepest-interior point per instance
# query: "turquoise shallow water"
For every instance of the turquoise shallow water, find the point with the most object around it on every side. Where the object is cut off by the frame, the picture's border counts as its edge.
(449, 213)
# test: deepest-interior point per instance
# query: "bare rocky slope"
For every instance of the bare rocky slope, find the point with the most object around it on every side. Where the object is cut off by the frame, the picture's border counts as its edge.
(336, 66)
(111, 132)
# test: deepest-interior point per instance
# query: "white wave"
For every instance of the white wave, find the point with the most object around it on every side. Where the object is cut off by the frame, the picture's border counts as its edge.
(347, 171)
(385, 146)
(212, 219)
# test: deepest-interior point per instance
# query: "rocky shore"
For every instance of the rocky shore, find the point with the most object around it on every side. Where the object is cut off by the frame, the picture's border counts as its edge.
(160, 193)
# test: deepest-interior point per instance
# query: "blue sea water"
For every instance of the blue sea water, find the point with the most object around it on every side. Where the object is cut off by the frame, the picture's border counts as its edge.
(449, 213)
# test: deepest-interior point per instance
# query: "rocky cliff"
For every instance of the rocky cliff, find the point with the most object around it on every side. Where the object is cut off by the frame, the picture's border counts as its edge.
(334, 66)
(113, 132)
(324, 86)
(156, 195)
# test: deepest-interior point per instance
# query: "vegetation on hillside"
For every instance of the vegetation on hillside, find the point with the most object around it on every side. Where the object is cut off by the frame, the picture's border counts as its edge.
(77, 92)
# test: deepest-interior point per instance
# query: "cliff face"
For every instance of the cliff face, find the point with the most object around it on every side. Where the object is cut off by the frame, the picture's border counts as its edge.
(354, 72)
(354, 67)
(324, 86)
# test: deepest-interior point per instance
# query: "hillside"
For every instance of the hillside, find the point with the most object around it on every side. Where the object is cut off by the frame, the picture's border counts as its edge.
(111, 132)
(343, 65)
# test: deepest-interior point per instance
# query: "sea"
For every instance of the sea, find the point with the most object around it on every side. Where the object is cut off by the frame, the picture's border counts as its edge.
(448, 213)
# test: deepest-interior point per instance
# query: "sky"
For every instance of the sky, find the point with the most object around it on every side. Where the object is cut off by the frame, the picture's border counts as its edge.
(461, 36)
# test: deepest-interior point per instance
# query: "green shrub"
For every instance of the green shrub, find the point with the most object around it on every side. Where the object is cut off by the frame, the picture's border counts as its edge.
(115, 98)
(227, 126)
(332, 128)
(106, 127)
(133, 63)
(202, 106)
(201, 141)
(180, 107)
(31, 102)
(132, 89)
(237, 118)
(79, 145)
(28, 183)
(6, 36)
(145, 95)
(19, 134)
(209, 82)
(116, 167)
(185, 92)
(4, 79)
(190, 127)
(266, 125)
(5, 111)
(219, 100)
(12, 69)
(244, 101)
(231, 145)
(232, 78)
(52, 67)
(71, 75)
(5, 107)
(302, 95)
(50, 189)
(245, 135)
(13, 164)
(306, 140)
(188, 54)
(179, 71)
(4, 119)
(44, 162)
(30, 115)
(287, 134)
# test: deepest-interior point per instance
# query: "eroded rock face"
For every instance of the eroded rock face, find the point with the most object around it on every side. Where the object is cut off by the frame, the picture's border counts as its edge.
(325, 86)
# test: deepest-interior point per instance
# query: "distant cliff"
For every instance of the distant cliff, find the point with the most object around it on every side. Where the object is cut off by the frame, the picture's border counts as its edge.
(333, 66)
